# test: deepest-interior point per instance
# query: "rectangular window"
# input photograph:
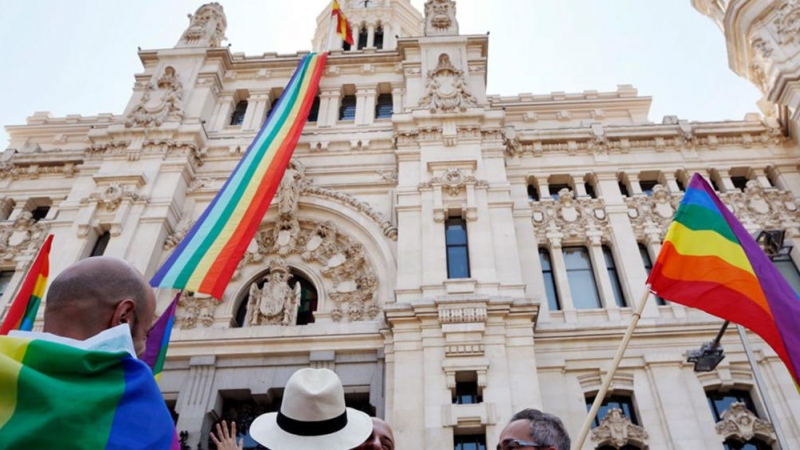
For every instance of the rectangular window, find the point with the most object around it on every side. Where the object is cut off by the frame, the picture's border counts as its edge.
(383, 107)
(616, 286)
(740, 182)
(720, 402)
(347, 110)
(100, 244)
(623, 189)
(378, 38)
(5, 280)
(648, 266)
(40, 212)
(680, 184)
(647, 186)
(580, 275)
(313, 113)
(467, 388)
(363, 35)
(556, 188)
(621, 402)
(590, 190)
(469, 442)
(533, 193)
(549, 280)
(789, 271)
(457, 250)
(237, 117)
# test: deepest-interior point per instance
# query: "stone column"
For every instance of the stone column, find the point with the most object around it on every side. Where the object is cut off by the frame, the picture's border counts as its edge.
(725, 180)
(258, 104)
(195, 397)
(370, 35)
(222, 116)
(328, 106)
(562, 282)
(365, 104)
(356, 30)
(761, 176)
(600, 269)
(671, 183)
(398, 91)
(580, 186)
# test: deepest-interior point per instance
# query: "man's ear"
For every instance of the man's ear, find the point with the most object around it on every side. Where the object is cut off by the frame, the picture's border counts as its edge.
(124, 312)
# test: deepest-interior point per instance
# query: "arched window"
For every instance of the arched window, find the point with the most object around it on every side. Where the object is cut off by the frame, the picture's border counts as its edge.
(384, 106)
(363, 35)
(237, 117)
(580, 275)
(308, 301)
(616, 286)
(533, 193)
(378, 40)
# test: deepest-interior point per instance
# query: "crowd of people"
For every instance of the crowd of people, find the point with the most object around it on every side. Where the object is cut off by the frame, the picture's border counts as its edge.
(312, 415)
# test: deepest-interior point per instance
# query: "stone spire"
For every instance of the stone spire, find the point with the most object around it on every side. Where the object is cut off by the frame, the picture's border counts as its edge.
(440, 18)
(206, 27)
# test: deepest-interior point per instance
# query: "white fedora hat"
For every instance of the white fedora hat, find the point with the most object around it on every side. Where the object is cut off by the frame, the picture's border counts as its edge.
(313, 416)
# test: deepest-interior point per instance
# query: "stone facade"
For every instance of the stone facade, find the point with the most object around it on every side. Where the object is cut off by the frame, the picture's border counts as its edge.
(355, 240)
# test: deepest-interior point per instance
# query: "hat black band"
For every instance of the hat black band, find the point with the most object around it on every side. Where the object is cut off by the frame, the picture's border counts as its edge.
(317, 428)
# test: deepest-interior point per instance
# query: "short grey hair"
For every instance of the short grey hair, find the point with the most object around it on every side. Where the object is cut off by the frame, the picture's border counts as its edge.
(546, 429)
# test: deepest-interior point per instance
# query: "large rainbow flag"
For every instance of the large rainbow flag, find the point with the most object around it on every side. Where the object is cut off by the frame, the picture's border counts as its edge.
(710, 262)
(55, 395)
(23, 310)
(206, 258)
(155, 352)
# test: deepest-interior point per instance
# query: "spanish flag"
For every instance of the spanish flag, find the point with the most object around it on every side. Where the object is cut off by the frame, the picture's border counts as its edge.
(23, 310)
(342, 25)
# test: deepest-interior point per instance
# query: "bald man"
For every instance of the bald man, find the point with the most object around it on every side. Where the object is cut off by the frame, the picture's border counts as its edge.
(381, 437)
(96, 294)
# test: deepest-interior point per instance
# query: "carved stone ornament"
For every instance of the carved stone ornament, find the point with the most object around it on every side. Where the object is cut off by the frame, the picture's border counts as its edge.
(570, 218)
(651, 216)
(196, 307)
(741, 424)
(446, 89)
(787, 21)
(111, 197)
(275, 302)
(453, 180)
(206, 27)
(440, 18)
(322, 246)
(617, 431)
(160, 102)
(23, 236)
(181, 229)
(759, 208)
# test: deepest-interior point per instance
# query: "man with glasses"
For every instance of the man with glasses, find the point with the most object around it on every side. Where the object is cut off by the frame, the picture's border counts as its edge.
(531, 428)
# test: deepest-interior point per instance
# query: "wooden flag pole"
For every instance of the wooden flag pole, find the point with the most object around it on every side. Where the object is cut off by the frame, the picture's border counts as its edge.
(601, 394)
(762, 389)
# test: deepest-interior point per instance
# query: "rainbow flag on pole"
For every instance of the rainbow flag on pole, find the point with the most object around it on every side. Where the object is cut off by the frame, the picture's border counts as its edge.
(710, 262)
(55, 395)
(206, 258)
(155, 352)
(23, 310)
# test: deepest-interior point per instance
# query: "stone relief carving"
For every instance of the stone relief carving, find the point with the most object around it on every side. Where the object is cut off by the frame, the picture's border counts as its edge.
(571, 218)
(787, 22)
(651, 216)
(196, 308)
(440, 18)
(111, 197)
(462, 314)
(170, 147)
(112, 147)
(275, 302)
(161, 101)
(33, 171)
(319, 243)
(446, 88)
(617, 431)
(761, 47)
(206, 27)
(183, 227)
(453, 180)
(741, 424)
(21, 237)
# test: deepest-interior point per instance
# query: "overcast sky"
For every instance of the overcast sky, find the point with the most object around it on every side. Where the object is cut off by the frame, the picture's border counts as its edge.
(79, 57)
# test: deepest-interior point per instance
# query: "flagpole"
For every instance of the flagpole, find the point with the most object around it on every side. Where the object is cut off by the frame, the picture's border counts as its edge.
(772, 416)
(601, 394)
(330, 31)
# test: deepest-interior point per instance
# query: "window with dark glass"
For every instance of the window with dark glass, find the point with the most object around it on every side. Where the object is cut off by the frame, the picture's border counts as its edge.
(556, 188)
(719, 402)
(752, 444)
(533, 193)
(647, 186)
(171, 407)
(616, 286)
(347, 110)
(313, 113)
(40, 212)
(100, 244)
(457, 250)
(469, 442)
(363, 35)
(237, 117)
(621, 402)
(648, 266)
(345, 46)
(5, 280)
(590, 190)
(739, 182)
(789, 271)
(680, 184)
(580, 275)
(623, 189)
(384, 106)
(466, 392)
(549, 280)
(378, 39)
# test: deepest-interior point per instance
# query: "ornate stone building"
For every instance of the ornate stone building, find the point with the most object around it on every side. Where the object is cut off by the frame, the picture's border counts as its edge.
(454, 256)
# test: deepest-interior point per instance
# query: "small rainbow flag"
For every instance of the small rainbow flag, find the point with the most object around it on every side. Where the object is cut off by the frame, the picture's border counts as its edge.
(206, 258)
(58, 396)
(23, 310)
(710, 262)
(155, 352)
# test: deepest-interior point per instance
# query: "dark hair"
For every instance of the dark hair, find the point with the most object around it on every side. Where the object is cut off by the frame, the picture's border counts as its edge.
(546, 429)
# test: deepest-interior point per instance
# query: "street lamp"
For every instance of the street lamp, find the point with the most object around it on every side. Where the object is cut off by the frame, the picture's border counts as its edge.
(710, 354)
(771, 241)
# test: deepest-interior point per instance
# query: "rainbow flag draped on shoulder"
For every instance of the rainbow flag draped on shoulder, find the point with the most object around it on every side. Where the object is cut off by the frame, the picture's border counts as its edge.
(710, 262)
(206, 258)
(23, 310)
(54, 395)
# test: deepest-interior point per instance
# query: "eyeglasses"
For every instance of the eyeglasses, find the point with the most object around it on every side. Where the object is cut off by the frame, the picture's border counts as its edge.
(511, 444)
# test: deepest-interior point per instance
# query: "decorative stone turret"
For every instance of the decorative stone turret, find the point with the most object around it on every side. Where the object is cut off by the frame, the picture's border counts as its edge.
(206, 27)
